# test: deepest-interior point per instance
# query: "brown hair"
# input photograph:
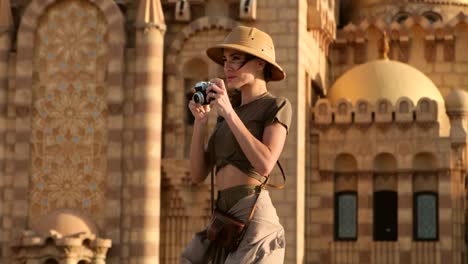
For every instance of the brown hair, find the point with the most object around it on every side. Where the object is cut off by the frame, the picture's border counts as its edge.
(235, 96)
(267, 76)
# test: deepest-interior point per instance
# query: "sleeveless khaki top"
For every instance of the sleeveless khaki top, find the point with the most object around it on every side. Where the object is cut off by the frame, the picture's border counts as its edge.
(256, 115)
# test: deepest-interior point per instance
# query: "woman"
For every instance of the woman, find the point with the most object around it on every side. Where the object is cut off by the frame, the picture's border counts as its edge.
(244, 147)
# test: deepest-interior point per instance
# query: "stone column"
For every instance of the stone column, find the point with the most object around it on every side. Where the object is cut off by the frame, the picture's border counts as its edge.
(145, 188)
(100, 251)
(365, 215)
(6, 27)
(405, 215)
(446, 204)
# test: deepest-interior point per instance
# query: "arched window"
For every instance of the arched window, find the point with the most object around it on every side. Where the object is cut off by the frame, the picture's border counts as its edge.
(424, 162)
(426, 216)
(385, 215)
(425, 197)
(345, 10)
(401, 17)
(194, 70)
(432, 16)
(346, 215)
(345, 185)
(51, 261)
(385, 198)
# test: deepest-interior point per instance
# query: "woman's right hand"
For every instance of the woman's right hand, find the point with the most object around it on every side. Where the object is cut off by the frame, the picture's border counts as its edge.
(200, 112)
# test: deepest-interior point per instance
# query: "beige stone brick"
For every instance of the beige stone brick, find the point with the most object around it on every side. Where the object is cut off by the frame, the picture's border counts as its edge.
(365, 216)
(287, 41)
(445, 215)
(461, 67)
(445, 243)
(322, 216)
(405, 215)
(405, 243)
(286, 209)
(7, 223)
(443, 67)
(20, 209)
(451, 79)
(287, 14)
(314, 202)
(436, 78)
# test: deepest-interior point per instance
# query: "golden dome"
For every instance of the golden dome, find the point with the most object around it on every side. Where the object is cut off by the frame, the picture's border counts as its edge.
(66, 222)
(383, 79)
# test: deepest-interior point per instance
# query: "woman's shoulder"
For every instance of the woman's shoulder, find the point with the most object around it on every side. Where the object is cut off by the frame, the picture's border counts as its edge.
(279, 101)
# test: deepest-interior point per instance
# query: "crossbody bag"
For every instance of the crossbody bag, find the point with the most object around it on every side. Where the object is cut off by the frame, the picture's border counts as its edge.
(226, 229)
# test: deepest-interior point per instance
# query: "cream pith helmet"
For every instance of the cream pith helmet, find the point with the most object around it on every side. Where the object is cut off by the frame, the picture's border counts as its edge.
(252, 41)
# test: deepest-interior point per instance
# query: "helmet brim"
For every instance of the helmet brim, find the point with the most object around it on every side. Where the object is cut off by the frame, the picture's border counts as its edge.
(216, 54)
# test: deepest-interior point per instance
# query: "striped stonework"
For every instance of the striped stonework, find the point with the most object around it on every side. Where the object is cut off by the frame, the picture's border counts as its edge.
(324, 191)
(5, 47)
(145, 183)
(317, 196)
(23, 100)
(446, 203)
(127, 153)
(365, 215)
(405, 213)
(311, 200)
(8, 177)
(458, 214)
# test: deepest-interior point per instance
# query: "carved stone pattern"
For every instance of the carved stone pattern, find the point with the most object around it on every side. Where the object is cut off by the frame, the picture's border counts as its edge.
(343, 55)
(69, 134)
(404, 51)
(429, 50)
(359, 53)
(449, 49)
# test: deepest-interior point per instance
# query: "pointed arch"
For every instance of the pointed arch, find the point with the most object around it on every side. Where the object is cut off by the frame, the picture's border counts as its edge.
(203, 23)
(23, 101)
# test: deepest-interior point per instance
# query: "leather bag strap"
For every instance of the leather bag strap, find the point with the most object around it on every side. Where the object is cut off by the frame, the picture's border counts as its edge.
(260, 187)
(278, 186)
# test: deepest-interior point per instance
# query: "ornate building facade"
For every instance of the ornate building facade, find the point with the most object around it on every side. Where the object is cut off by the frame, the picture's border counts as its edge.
(95, 130)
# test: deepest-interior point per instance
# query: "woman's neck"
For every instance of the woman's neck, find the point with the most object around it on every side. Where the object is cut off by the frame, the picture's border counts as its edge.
(253, 92)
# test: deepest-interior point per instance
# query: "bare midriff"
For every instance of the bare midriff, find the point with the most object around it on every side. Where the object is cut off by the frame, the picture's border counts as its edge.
(230, 176)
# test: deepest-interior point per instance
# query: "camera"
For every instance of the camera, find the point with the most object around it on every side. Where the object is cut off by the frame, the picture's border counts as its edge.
(200, 96)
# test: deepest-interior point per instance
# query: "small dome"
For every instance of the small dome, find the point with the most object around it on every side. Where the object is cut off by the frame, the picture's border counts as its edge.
(66, 222)
(383, 79)
(457, 101)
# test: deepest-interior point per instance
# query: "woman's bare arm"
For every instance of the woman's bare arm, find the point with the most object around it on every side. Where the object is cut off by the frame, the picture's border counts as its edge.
(200, 164)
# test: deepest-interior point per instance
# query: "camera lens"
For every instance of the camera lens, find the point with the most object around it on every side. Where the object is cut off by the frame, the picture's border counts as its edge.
(198, 98)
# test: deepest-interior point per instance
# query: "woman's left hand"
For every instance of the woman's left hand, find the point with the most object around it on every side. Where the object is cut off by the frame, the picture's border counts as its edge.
(219, 98)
